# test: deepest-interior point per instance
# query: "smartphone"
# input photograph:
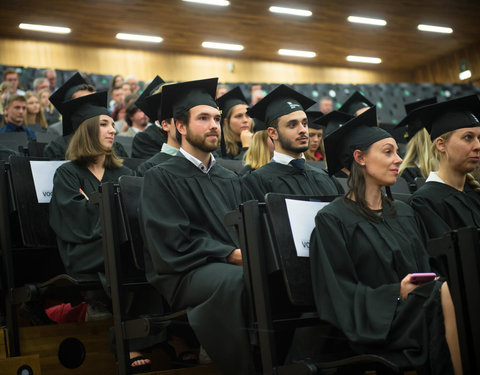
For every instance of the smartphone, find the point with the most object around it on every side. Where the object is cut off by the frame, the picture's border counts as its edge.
(423, 277)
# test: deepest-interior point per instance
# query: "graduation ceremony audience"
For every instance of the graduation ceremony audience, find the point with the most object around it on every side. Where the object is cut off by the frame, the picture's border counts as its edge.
(365, 244)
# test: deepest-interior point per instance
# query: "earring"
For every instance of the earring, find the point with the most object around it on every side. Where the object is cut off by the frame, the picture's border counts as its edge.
(363, 164)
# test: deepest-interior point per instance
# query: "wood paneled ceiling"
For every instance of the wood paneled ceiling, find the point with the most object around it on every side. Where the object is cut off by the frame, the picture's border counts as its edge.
(184, 26)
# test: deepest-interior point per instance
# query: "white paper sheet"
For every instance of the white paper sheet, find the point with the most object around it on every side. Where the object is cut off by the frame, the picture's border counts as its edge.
(302, 221)
(43, 172)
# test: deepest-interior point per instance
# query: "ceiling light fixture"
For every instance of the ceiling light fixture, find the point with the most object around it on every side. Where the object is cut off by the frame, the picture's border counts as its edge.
(139, 38)
(225, 46)
(291, 11)
(435, 29)
(46, 29)
(367, 21)
(363, 59)
(291, 52)
(222, 3)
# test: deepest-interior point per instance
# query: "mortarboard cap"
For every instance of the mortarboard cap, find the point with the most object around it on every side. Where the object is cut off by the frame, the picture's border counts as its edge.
(182, 96)
(411, 122)
(355, 102)
(451, 115)
(148, 102)
(230, 99)
(76, 111)
(312, 116)
(358, 133)
(65, 92)
(281, 101)
(332, 121)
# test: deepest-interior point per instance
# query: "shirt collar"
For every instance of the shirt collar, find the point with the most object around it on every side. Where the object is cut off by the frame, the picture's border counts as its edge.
(283, 158)
(170, 150)
(433, 177)
(197, 162)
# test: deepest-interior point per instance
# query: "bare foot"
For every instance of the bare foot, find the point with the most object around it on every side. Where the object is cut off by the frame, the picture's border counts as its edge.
(139, 362)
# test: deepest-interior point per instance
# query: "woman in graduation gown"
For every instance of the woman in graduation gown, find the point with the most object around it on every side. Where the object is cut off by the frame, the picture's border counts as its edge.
(74, 219)
(450, 198)
(418, 160)
(237, 125)
(364, 248)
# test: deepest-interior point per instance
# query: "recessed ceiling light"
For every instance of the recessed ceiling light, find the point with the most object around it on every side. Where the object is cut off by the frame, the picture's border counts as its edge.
(465, 74)
(368, 21)
(46, 29)
(222, 3)
(363, 59)
(291, 52)
(139, 38)
(435, 29)
(227, 46)
(292, 11)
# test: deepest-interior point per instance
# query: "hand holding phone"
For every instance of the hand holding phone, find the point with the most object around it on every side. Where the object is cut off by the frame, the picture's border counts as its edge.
(422, 277)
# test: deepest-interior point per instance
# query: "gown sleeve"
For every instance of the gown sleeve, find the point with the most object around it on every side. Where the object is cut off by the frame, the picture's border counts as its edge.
(363, 313)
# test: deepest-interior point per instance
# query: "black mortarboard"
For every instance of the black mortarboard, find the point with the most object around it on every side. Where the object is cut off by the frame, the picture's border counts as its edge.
(177, 97)
(312, 116)
(358, 133)
(281, 101)
(78, 110)
(355, 102)
(332, 121)
(65, 92)
(230, 99)
(451, 115)
(149, 103)
(412, 123)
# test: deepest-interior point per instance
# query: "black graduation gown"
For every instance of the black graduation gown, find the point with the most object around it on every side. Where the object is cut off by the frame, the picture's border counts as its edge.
(280, 178)
(442, 208)
(409, 174)
(75, 220)
(56, 149)
(239, 156)
(182, 211)
(158, 158)
(147, 143)
(357, 267)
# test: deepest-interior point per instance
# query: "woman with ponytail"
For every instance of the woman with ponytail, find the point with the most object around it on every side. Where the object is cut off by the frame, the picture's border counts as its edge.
(450, 198)
(363, 250)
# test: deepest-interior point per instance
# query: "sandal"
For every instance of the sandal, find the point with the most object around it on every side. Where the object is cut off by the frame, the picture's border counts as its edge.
(142, 368)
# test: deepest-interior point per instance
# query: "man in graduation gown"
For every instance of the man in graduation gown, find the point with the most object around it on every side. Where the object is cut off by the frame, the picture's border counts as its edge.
(193, 259)
(74, 88)
(283, 110)
(150, 103)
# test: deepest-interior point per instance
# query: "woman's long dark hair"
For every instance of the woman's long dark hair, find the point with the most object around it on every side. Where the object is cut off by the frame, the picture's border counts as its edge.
(357, 187)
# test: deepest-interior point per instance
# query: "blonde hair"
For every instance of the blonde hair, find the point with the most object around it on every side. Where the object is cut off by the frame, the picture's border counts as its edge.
(230, 143)
(84, 147)
(469, 179)
(257, 154)
(39, 117)
(50, 105)
(419, 154)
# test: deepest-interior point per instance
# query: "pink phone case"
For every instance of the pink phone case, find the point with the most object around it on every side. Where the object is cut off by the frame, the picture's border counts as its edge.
(419, 278)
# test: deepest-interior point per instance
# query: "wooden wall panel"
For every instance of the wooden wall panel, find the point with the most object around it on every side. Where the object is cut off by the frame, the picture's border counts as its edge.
(177, 67)
(447, 69)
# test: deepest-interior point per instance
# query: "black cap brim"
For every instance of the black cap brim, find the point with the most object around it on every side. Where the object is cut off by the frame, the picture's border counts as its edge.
(355, 102)
(332, 121)
(58, 97)
(150, 108)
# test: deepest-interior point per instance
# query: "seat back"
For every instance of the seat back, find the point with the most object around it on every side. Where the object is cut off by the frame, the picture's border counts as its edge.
(458, 254)
(126, 142)
(14, 140)
(295, 268)
(233, 165)
(129, 195)
(419, 182)
(400, 186)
